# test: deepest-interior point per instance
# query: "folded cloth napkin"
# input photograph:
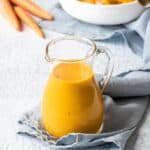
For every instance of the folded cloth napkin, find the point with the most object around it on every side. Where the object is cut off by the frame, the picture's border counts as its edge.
(129, 44)
(120, 121)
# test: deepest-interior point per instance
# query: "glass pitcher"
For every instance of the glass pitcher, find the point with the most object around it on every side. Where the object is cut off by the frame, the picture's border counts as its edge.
(72, 101)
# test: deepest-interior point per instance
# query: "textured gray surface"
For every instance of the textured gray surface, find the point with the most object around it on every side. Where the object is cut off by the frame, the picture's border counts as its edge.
(23, 73)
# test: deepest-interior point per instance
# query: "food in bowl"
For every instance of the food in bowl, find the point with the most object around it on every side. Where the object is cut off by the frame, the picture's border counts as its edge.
(107, 2)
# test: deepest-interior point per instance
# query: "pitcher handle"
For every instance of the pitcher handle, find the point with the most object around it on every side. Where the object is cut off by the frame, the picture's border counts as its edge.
(109, 67)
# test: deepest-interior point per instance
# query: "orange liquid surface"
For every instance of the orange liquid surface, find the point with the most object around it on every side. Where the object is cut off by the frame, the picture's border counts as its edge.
(72, 101)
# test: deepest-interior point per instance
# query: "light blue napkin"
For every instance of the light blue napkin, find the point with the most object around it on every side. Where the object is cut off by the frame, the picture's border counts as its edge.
(129, 44)
(130, 47)
(120, 122)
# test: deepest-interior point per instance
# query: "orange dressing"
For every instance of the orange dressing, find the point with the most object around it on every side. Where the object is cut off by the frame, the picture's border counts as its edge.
(72, 101)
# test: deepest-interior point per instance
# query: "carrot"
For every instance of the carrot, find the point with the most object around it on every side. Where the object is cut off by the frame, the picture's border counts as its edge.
(107, 2)
(88, 1)
(33, 8)
(28, 20)
(7, 11)
(98, 1)
(125, 1)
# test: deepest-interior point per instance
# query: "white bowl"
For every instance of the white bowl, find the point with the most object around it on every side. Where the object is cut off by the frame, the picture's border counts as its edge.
(102, 14)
